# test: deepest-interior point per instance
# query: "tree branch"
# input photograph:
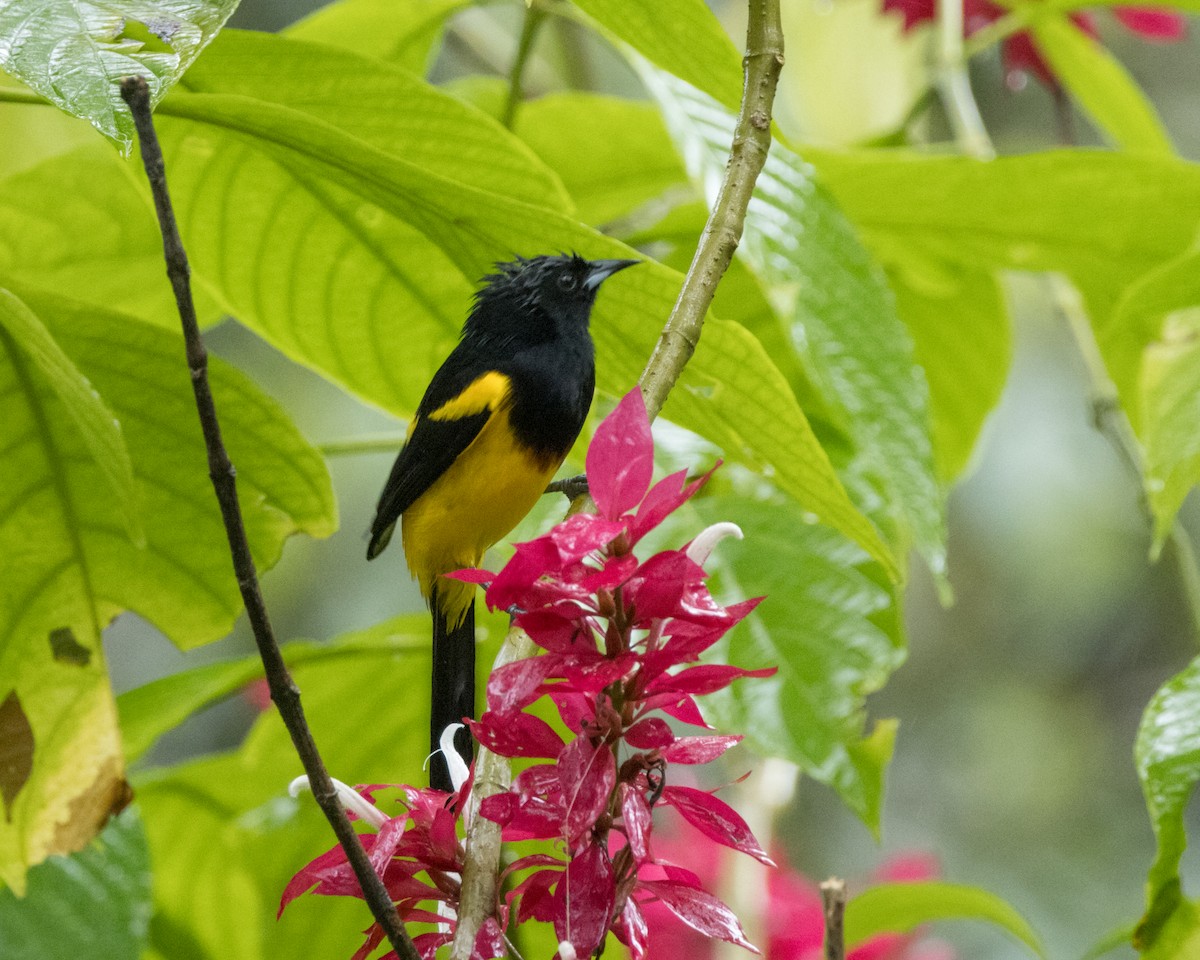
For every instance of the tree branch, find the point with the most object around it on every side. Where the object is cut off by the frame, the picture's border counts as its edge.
(833, 896)
(283, 690)
(723, 231)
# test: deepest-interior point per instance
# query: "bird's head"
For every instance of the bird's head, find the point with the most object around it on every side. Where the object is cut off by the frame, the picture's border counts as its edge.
(548, 294)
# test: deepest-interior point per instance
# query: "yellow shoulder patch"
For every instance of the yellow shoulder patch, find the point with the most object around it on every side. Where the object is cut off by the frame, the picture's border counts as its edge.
(486, 392)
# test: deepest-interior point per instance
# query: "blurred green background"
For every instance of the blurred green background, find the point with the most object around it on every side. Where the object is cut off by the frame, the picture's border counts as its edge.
(1018, 705)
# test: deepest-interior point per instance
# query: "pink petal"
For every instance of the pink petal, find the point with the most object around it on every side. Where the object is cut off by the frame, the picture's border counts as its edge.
(635, 812)
(588, 893)
(649, 734)
(427, 943)
(587, 775)
(471, 575)
(699, 749)
(915, 12)
(700, 910)
(489, 942)
(620, 458)
(515, 685)
(715, 819)
(536, 899)
(1165, 26)
(517, 735)
(665, 497)
(632, 930)
(706, 678)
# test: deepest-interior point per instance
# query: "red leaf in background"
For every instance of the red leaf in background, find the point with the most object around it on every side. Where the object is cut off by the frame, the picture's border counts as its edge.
(588, 894)
(649, 734)
(638, 823)
(716, 819)
(699, 749)
(587, 775)
(516, 735)
(620, 458)
(699, 910)
(1165, 26)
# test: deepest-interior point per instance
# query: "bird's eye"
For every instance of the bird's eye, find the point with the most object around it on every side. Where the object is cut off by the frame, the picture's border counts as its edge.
(567, 282)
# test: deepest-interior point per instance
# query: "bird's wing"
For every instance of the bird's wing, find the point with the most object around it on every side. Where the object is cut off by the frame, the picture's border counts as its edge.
(436, 440)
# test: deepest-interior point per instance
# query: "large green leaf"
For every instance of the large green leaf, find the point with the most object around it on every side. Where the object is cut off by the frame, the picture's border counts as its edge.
(959, 325)
(1102, 218)
(1098, 81)
(842, 315)
(902, 907)
(218, 881)
(75, 52)
(403, 32)
(181, 579)
(93, 903)
(682, 37)
(149, 711)
(831, 623)
(1167, 754)
(80, 225)
(99, 429)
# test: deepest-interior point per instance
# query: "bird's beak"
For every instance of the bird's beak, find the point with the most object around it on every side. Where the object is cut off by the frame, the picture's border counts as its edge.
(601, 270)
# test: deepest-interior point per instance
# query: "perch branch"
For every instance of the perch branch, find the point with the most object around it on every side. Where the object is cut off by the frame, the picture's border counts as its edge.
(283, 690)
(723, 231)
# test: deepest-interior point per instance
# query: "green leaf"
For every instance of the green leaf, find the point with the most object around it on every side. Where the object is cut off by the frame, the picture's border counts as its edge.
(612, 155)
(64, 526)
(93, 903)
(682, 37)
(831, 624)
(1170, 421)
(842, 315)
(1104, 219)
(149, 711)
(1167, 756)
(75, 52)
(902, 907)
(218, 881)
(100, 430)
(961, 337)
(78, 224)
(1101, 84)
(402, 32)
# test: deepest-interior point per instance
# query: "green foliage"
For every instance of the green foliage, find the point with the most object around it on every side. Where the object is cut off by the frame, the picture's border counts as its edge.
(74, 53)
(902, 907)
(95, 902)
(1167, 755)
(836, 639)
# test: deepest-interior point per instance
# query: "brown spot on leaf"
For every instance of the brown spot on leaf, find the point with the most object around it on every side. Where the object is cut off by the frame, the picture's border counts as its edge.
(16, 751)
(107, 795)
(67, 649)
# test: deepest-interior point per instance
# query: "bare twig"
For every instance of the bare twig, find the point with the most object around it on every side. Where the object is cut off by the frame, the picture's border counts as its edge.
(723, 232)
(535, 16)
(833, 896)
(283, 690)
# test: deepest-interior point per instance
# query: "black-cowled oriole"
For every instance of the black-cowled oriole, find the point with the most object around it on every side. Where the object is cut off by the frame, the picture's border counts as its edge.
(495, 424)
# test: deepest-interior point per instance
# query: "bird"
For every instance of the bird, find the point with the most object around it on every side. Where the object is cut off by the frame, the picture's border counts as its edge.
(494, 425)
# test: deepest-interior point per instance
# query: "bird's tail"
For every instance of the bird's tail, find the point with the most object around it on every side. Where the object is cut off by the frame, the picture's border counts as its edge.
(453, 678)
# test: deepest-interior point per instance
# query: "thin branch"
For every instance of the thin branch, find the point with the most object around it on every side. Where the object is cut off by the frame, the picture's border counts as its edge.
(723, 232)
(283, 690)
(954, 82)
(535, 16)
(833, 897)
(571, 487)
(371, 443)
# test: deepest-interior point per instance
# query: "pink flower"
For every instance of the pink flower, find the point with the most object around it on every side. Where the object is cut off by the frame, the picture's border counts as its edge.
(1020, 53)
(621, 639)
